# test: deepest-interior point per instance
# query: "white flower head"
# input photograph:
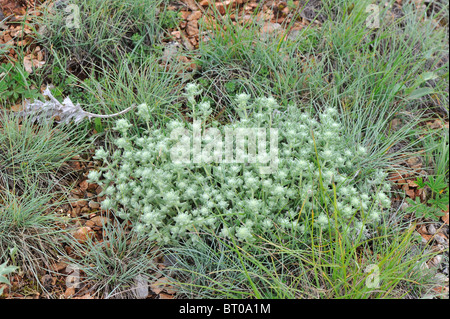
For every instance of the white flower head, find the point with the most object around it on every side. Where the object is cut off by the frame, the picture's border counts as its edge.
(122, 125)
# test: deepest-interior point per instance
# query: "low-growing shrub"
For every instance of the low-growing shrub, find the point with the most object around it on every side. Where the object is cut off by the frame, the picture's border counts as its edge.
(171, 200)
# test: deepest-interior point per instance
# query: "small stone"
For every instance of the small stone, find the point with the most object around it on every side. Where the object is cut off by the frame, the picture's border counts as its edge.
(431, 229)
(424, 266)
(440, 278)
(445, 271)
(440, 238)
(271, 27)
(436, 261)
(294, 35)
(141, 287)
(192, 28)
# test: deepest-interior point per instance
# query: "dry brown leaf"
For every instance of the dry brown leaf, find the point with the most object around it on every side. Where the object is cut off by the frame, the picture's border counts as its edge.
(86, 296)
(412, 183)
(185, 14)
(445, 218)
(192, 28)
(17, 108)
(423, 230)
(100, 221)
(441, 290)
(426, 237)
(437, 124)
(29, 63)
(69, 292)
(411, 193)
(159, 285)
(191, 4)
(415, 162)
(396, 177)
(83, 234)
(165, 296)
(60, 266)
(83, 185)
(194, 16)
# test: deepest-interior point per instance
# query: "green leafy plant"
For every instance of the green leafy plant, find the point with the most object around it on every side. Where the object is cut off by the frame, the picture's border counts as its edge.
(437, 203)
(4, 272)
(169, 19)
(15, 84)
(65, 84)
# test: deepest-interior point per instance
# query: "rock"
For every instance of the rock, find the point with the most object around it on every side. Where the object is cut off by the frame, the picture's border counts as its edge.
(192, 28)
(270, 27)
(141, 287)
(440, 238)
(445, 271)
(294, 35)
(170, 51)
(431, 229)
(436, 261)
(440, 278)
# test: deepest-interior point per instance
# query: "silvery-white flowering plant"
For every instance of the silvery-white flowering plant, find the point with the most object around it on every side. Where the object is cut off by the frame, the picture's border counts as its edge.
(317, 181)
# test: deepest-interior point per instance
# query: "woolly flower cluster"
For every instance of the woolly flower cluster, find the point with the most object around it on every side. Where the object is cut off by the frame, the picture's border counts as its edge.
(317, 180)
